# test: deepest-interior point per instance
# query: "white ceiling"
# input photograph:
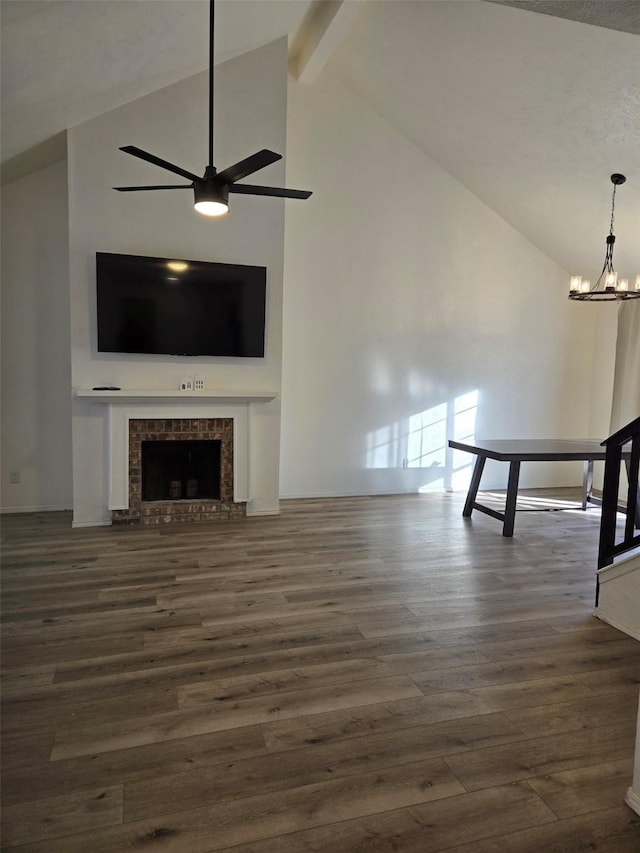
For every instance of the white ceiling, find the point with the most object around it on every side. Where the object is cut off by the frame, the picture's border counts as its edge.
(65, 61)
(532, 112)
(623, 15)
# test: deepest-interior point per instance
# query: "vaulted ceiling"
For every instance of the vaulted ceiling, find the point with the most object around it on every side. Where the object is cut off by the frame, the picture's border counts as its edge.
(531, 105)
(65, 61)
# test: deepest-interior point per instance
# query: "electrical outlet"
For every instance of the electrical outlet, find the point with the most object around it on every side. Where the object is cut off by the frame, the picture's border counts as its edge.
(186, 384)
(198, 383)
(14, 477)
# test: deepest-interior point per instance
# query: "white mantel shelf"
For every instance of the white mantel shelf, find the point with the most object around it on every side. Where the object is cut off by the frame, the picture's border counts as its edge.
(142, 395)
(122, 406)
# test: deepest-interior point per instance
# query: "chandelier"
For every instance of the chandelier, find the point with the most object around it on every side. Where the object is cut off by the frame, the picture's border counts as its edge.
(608, 287)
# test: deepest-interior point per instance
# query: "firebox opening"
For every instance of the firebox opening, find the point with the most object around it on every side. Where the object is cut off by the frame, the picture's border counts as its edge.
(180, 470)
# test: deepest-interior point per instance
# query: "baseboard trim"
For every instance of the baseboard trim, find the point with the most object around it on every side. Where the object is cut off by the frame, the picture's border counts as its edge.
(263, 512)
(91, 524)
(14, 510)
(632, 799)
(325, 495)
(615, 623)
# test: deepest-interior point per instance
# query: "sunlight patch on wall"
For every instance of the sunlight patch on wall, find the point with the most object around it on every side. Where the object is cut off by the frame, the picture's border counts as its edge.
(465, 411)
(421, 442)
(384, 447)
(427, 438)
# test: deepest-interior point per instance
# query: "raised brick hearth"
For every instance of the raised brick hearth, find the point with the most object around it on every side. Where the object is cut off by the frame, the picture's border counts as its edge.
(188, 510)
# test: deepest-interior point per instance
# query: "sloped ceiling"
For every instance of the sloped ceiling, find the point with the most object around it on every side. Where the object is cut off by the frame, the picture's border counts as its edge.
(623, 15)
(65, 61)
(532, 112)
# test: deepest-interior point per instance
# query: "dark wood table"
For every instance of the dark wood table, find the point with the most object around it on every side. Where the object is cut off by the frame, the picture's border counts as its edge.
(516, 451)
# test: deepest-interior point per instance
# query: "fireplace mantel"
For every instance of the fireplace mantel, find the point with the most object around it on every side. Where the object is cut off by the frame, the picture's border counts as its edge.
(144, 395)
(123, 405)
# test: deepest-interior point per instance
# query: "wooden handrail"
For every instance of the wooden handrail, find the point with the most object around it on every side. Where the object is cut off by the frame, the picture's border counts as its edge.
(624, 434)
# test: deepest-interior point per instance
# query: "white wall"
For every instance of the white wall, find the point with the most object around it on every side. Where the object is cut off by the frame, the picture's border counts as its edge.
(36, 375)
(388, 313)
(172, 123)
(403, 295)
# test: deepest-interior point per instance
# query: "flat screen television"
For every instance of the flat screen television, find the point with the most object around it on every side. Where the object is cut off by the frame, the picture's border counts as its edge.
(178, 307)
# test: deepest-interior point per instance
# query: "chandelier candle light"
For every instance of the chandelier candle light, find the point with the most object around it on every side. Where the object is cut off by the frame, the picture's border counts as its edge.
(607, 287)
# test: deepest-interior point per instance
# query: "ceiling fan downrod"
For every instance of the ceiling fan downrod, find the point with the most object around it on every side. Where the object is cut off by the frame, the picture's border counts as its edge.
(212, 30)
(212, 190)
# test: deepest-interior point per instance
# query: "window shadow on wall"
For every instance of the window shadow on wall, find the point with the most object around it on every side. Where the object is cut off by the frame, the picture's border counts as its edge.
(421, 442)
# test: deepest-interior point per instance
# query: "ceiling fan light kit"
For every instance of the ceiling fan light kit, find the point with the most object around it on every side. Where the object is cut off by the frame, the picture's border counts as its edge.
(608, 288)
(212, 190)
(211, 198)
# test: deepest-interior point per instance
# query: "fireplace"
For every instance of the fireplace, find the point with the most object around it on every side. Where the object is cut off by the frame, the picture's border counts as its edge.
(176, 470)
(180, 469)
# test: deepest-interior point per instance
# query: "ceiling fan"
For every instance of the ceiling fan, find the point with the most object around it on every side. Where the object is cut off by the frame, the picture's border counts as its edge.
(213, 188)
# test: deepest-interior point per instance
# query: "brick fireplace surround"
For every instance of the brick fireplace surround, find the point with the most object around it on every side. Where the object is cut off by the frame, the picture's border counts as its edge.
(170, 511)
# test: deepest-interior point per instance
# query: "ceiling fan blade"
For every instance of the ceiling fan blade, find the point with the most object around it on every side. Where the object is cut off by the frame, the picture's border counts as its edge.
(162, 187)
(251, 189)
(157, 161)
(248, 166)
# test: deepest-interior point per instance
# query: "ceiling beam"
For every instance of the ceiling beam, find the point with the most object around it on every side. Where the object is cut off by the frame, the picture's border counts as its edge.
(318, 37)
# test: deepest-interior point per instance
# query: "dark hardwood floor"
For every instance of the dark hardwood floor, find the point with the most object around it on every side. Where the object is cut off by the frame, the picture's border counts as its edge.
(365, 674)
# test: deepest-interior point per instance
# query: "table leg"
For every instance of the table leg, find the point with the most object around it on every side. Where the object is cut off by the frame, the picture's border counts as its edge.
(474, 486)
(512, 497)
(587, 482)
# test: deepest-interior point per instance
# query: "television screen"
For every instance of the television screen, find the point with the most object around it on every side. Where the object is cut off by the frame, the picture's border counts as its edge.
(178, 307)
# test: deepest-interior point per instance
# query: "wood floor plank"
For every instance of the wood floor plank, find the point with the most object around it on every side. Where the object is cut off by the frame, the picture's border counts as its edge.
(157, 760)
(150, 618)
(21, 715)
(574, 622)
(52, 651)
(537, 692)
(585, 789)
(504, 611)
(274, 814)
(25, 750)
(407, 623)
(230, 658)
(104, 738)
(529, 759)
(612, 680)
(383, 717)
(276, 681)
(430, 827)
(608, 639)
(529, 669)
(316, 762)
(60, 816)
(27, 677)
(615, 830)
(567, 716)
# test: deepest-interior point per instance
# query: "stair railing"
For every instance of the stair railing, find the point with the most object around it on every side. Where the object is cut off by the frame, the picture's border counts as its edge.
(622, 446)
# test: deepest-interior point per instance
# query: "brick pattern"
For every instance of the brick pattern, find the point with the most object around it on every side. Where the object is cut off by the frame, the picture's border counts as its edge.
(167, 512)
